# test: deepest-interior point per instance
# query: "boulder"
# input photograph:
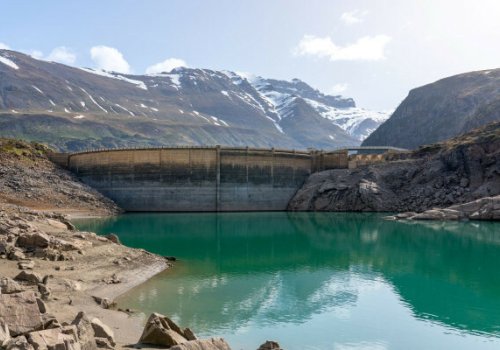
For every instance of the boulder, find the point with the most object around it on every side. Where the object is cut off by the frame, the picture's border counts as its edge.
(21, 313)
(9, 286)
(30, 277)
(161, 331)
(26, 265)
(18, 343)
(15, 254)
(65, 338)
(4, 334)
(113, 238)
(269, 345)
(85, 332)
(33, 240)
(102, 331)
(205, 344)
(189, 334)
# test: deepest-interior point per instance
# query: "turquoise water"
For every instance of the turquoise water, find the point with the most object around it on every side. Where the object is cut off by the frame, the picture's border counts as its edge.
(336, 281)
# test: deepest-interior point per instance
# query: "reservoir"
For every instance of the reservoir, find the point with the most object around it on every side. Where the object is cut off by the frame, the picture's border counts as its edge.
(339, 281)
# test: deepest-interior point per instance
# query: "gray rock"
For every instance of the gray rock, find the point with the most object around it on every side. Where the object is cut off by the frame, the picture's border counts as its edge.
(102, 331)
(33, 240)
(85, 332)
(9, 286)
(269, 345)
(21, 313)
(18, 343)
(26, 265)
(161, 331)
(4, 334)
(205, 344)
(30, 277)
(65, 338)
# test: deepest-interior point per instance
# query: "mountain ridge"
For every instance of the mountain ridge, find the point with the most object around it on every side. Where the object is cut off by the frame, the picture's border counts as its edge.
(77, 108)
(441, 110)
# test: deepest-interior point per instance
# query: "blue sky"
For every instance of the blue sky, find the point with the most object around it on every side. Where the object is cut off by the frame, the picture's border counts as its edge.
(373, 51)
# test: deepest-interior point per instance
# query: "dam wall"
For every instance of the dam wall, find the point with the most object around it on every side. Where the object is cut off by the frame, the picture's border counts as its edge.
(198, 178)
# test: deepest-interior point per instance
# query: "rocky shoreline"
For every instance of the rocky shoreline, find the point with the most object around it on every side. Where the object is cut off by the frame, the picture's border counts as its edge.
(448, 174)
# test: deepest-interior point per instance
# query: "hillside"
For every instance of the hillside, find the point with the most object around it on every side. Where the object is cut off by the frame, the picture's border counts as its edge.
(456, 171)
(79, 108)
(441, 110)
(28, 178)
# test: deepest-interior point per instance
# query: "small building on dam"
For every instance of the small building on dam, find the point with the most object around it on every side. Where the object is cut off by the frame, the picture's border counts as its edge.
(199, 178)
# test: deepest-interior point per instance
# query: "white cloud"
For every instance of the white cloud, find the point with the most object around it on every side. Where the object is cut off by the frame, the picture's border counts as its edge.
(4, 46)
(166, 65)
(60, 54)
(36, 54)
(338, 89)
(109, 58)
(367, 48)
(353, 17)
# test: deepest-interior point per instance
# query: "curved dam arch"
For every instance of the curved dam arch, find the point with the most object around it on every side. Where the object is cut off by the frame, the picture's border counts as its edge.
(200, 178)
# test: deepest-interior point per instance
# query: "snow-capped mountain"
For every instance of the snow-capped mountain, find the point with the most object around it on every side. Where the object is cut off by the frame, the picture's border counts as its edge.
(78, 108)
(357, 122)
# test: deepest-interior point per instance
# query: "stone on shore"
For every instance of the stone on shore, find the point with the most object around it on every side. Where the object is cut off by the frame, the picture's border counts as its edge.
(85, 332)
(487, 208)
(29, 277)
(205, 344)
(4, 334)
(64, 338)
(102, 331)
(9, 286)
(33, 240)
(21, 313)
(270, 345)
(162, 331)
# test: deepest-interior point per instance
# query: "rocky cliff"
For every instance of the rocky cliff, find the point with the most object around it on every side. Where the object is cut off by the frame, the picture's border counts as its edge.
(459, 170)
(78, 108)
(441, 110)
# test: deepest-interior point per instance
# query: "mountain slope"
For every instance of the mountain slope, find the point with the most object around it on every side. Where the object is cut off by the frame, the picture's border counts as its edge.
(74, 109)
(441, 110)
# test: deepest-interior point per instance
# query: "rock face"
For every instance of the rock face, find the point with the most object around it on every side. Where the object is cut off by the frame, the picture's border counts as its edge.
(161, 330)
(453, 172)
(77, 109)
(442, 110)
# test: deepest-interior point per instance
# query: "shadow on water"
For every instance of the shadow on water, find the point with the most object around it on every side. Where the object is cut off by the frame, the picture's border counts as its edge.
(240, 268)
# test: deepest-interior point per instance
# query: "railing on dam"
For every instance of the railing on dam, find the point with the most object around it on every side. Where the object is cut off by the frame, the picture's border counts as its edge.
(199, 178)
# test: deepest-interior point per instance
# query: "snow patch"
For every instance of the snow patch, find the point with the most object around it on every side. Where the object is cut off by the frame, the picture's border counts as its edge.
(94, 101)
(353, 120)
(126, 110)
(9, 62)
(80, 116)
(37, 89)
(138, 83)
(52, 102)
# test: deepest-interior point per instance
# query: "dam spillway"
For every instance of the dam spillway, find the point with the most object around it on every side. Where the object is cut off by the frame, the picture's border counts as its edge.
(200, 178)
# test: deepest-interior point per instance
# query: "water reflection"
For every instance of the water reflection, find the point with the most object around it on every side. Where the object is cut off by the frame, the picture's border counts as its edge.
(243, 272)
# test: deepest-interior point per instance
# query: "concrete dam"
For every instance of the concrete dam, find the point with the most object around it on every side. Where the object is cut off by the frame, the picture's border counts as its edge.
(199, 178)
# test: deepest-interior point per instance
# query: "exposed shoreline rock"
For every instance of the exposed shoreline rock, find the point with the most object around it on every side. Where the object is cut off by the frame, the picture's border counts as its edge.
(457, 171)
(487, 208)
(67, 268)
